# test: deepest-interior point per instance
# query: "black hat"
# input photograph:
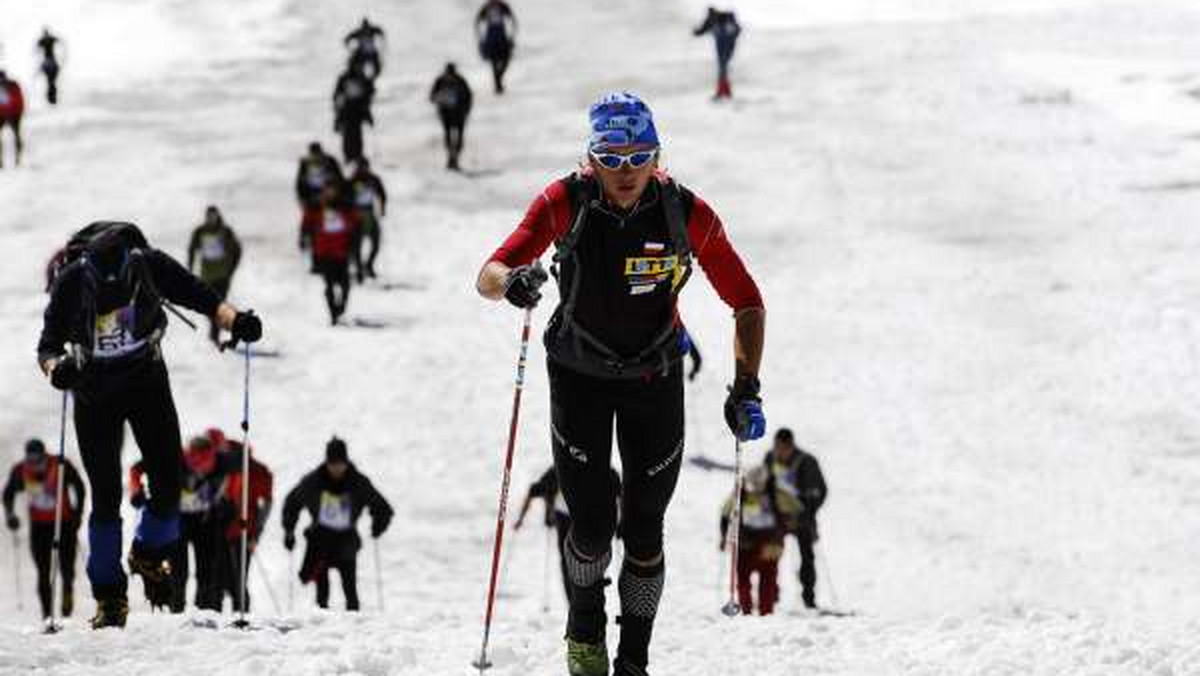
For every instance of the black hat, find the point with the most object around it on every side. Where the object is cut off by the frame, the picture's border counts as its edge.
(335, 451)
(785, 435)
(35, 447)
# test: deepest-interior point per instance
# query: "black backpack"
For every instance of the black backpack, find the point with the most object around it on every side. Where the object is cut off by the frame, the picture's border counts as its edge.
(107, 249)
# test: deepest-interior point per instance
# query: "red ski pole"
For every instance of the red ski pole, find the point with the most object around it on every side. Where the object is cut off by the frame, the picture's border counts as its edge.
(482, 663)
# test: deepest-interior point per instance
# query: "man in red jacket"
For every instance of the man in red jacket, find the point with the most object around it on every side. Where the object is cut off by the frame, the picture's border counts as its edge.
(12, 108)
(260, 492)
(332, 231)
(37, 477)
(625, 237)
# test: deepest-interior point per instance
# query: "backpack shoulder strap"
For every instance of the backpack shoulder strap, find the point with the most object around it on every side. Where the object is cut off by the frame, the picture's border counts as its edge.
(676, 219)
(578, 187)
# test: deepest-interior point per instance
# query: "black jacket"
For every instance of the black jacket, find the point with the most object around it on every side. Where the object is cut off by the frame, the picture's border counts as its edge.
(799, 488)
(77, 299)
(451, 94)
(354, 487)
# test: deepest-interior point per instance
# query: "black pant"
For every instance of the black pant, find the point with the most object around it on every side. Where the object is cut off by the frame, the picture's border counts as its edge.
(649, 423)
(371, 235)
(204, 537)
(337, 286)
(41, 542)
(50, 70)
(352, 136)
(454, 125)
(805, 537)
(562, 528)
(221, 286)
(230, 571)
(348, 570)
(15, 123)
(140, 394)
(332, 549)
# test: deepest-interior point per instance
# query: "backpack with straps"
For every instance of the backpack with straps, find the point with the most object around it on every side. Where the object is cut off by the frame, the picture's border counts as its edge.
(585, 352)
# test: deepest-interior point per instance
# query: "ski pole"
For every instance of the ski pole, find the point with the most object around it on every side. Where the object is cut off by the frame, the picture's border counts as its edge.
(546, 572)
(16, 550)
(241, 622)
(378, 576)
(732, 608)
(824, 564)
(266, 579)
(482, 663)
(60, 471)
(291, 575)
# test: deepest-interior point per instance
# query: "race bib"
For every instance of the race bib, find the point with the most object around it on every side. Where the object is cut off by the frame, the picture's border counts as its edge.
(333, 223)
(4, 97)
(364, 197)
(314, 176)
(335, 511)
(495, 15)
(41, 496)
(114, 334)
(193, 502)
(355, 90)
(212, 247)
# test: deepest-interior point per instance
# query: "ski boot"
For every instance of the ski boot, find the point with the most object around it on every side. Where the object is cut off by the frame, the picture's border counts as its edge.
(623, 667)
(110, 613)
(157, 577)
(587, 659)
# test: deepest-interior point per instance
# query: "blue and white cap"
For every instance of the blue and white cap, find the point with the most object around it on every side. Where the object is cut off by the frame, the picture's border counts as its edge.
(620, 119)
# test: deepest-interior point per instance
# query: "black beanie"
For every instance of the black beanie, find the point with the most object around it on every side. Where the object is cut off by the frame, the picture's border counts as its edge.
(335, 451)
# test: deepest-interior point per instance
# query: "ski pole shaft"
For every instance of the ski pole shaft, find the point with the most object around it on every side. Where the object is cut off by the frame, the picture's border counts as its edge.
(55, 549)
(824, 564)
(546, 571)
(291, 575)
(378, 576)
(482, 663)
(266, 579)
(245, 516)
(16, 554)
(731, 606)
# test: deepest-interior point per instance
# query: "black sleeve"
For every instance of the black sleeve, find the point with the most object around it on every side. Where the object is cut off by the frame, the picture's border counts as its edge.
(546, 486)
(235, 247)
(176, 284)
(300, 187)
(295, 501)
(60, 312)
(377, 184)
(76, 487)
(814, 491)
(15, 485)
(193, 246)
(704, 27)
(381, 511)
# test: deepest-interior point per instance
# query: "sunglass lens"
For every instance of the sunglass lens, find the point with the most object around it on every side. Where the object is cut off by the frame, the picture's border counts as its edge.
(639, 160)
(610, 161)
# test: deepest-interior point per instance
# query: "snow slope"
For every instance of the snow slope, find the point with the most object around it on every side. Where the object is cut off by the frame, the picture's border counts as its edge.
(972, 230)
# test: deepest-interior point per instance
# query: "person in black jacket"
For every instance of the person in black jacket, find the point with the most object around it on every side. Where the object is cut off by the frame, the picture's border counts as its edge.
(317, 171)
(100, 340)
(37, 477)
(799, 491)
(452, 96)
(369, 198)
(496, 30)
(334, 495)
(352, 98)
(725, 30)
(363, 43)
(203, 518)
(47, 44)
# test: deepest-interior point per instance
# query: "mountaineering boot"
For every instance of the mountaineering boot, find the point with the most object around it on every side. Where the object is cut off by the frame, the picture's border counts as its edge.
(587, 659)
(623, 667)
(110, 612)
(158, 579)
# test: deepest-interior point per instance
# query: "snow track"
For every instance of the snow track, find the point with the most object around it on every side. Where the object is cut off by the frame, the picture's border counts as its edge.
(975, 237)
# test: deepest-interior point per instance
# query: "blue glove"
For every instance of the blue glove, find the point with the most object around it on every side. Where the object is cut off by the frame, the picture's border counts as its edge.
(743, 410)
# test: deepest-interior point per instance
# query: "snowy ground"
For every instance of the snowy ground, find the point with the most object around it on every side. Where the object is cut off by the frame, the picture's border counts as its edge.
(972, 226)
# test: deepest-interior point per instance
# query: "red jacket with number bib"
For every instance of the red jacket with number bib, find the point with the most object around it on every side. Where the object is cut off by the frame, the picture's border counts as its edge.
(12, 101)
(42, 488)
(332, 232)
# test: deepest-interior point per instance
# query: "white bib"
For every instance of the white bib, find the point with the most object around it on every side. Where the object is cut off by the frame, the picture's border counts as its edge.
(335, 511)
(114, 334)
(212, 247)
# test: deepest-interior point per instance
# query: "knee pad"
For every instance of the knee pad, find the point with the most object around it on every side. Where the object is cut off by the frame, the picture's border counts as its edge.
(584, 572)
(641, 588)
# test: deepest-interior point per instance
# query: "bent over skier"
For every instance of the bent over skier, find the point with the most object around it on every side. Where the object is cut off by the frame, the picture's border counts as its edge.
(625, 236)
(100, 340)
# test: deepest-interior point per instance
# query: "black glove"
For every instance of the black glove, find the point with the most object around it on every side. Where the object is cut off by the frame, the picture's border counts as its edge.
(378, 526)
(743, 409)
(247, 327)
(289, 540)
(522, 284)
(13, 522)
(138, 500)
(66, 373)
